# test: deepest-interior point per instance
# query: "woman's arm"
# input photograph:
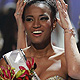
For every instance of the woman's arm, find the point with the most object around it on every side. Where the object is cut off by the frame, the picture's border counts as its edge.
(21, 39)
(71, 50)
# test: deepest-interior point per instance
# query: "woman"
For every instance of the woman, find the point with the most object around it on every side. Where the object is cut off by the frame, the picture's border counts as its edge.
(41, 47)
(39, 19)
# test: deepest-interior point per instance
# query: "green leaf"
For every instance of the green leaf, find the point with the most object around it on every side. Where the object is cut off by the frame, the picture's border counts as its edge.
(19, 73)
(12, 68)
(6, 72)
(24, 78)
(1, 78)
(1, 72)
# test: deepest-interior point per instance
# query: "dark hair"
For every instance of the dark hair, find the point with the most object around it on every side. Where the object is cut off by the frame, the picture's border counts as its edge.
(50, 3)
(78, 31)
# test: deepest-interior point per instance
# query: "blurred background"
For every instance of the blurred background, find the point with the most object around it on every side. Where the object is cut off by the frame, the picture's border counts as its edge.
(8, 26)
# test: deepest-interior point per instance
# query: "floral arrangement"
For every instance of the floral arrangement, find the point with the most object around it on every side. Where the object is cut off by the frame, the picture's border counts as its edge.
(8, 73)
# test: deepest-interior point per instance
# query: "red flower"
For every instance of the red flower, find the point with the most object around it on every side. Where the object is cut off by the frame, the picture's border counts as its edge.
(29, 64)
(32, 61)
(6, 73)
(27, 72)
(26, 78)
(23, 74)
(19, 78)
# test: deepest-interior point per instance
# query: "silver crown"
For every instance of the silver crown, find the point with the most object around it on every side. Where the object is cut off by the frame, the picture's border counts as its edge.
(27, 1)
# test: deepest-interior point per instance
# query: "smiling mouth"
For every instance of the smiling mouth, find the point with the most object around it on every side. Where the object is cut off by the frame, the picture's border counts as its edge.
(37, 32)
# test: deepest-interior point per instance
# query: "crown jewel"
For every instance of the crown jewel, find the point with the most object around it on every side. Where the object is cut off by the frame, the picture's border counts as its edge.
(27, 1)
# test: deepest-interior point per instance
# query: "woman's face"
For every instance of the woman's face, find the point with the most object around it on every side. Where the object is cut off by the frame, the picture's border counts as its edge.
(38, 23)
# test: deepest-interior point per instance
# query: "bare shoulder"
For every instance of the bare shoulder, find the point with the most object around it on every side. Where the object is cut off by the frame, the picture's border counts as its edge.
(2, 62)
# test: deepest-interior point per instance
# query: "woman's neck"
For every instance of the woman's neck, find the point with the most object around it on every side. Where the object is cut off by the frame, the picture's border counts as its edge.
(41, 52)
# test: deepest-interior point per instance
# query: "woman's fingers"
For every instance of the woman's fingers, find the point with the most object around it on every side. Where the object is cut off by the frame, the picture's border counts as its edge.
(58, 4)
(18, 14)
(20, 5)
(62, 14)
(59, 8)
(19, 8)
(22, 8)
(63, 4)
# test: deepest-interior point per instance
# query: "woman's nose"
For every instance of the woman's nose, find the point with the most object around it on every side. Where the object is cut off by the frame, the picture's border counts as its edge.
(36, 24)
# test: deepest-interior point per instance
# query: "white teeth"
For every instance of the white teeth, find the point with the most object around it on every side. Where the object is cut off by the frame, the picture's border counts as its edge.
(37, 32)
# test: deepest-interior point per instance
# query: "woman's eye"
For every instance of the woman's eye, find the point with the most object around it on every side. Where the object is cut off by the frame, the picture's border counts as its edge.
(44, 18)
(29, 19)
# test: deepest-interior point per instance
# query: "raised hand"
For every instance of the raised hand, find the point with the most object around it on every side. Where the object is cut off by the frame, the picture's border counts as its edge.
(21, 40)
(64, 20)
(18, 14)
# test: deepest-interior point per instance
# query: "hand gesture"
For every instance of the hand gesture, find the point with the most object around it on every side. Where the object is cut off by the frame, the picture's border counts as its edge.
(21, 39)
(64, 20)
(18, 14)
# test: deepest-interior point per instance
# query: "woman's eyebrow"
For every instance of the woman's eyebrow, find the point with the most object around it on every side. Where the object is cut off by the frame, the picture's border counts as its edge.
(42, 15)
(29, 16)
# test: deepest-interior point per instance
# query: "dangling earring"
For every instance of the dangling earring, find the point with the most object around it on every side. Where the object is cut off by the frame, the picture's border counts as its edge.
(53, 26)
(25, 32)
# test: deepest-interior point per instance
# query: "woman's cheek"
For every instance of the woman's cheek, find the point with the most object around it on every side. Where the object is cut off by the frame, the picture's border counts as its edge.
(27, 25)
(46, 23)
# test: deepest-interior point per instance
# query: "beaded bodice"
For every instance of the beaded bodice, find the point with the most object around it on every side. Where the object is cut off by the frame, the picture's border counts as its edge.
(55, 78)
